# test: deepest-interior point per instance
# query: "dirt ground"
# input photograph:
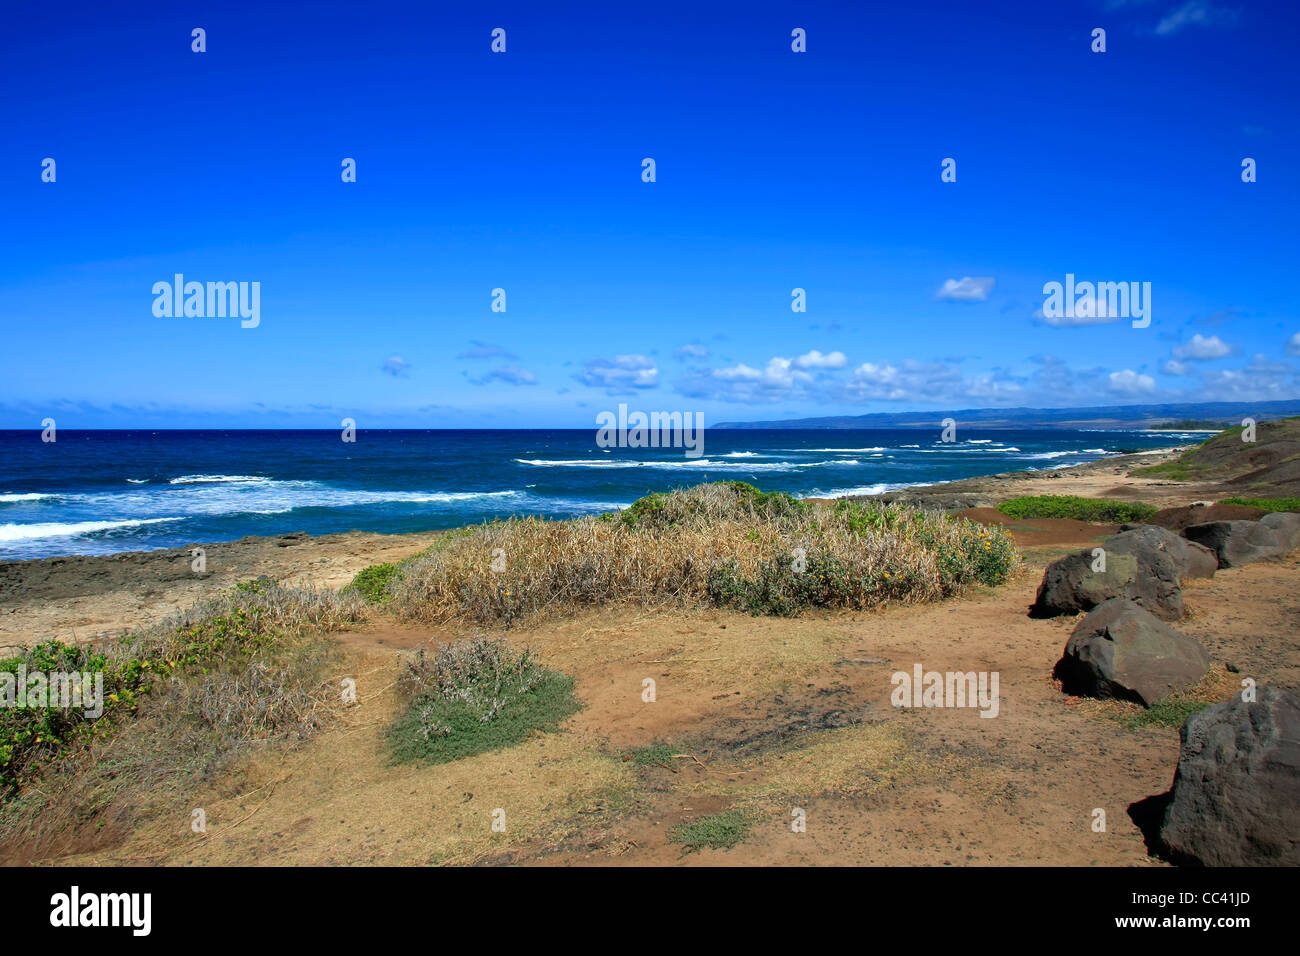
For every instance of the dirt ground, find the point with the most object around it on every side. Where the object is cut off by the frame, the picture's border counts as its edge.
(768, 715)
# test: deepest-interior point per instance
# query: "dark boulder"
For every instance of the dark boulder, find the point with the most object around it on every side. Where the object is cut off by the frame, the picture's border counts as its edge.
(1122, 651)
(1239, 542)
(1237, 786)
(1286, 525)
(1135, 570)
(1193, 560)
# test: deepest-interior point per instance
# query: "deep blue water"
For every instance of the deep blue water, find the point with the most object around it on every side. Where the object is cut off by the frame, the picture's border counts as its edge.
(97, 492)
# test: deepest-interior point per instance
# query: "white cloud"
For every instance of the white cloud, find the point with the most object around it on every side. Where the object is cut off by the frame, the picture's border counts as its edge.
(1173, 367)
(815, 359)
(1293, 344)
(691, 350)
(1201, 348)
(485, 350)
(396, 366)
(1129, 382)
(968, 289)
(1259, 380)
(1193, 13)
(623, 373)
(512, 375)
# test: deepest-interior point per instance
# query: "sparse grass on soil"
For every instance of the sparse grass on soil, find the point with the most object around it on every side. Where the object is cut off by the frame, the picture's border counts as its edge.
(1266, 504)
(654, 755)
(180, 698)
(1094, 510)
(474, 696)
(1170, 712)
(725, 544)
(718, 831)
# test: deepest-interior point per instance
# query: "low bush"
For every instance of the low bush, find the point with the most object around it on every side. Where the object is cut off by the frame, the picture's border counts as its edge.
(1266, 504)
(476, 695)
(1096, 510)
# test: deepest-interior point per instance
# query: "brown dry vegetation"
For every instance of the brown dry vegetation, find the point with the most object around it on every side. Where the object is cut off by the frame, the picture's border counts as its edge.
(723, 544)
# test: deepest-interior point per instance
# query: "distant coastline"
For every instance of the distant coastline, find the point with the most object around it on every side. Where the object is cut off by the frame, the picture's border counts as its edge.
(1162, 416)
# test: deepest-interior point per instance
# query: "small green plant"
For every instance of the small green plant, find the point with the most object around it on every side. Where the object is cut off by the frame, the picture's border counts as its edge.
(1096, 510)
(655, 755)
(373, 583)
(1266, 504)
(1172, 711)
(719, 831)
(473, 696)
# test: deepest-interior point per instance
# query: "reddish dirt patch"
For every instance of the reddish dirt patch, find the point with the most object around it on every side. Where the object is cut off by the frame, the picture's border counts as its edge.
(1040, 532)
(1176, 519)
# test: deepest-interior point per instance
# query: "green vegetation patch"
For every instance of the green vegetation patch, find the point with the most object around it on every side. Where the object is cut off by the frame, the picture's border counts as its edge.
(729, 500)
(1095, 510)
(655, 755)
(1265, 504)
(719, 831)
(475, 696)
(373, 583)
(1172, 711)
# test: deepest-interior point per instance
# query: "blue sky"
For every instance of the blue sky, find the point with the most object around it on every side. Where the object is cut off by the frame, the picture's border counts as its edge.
(775, 170)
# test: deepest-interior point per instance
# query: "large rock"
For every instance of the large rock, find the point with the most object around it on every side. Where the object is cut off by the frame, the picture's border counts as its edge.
(1193, 560)
(1237, 787)
(1135, 570)
(1286, 525)
(1239, 542)
(1121, 650)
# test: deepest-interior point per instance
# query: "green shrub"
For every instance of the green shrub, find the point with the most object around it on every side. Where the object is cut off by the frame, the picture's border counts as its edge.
(1096, 510)
(474, 696)
(246, 632)
(718, 501)
(1266, 504)
(373, 583)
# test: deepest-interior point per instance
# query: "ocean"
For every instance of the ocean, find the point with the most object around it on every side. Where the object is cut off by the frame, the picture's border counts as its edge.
(100, 492)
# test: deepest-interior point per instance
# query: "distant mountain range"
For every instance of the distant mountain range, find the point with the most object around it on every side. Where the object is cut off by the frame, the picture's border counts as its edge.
(1100, 416)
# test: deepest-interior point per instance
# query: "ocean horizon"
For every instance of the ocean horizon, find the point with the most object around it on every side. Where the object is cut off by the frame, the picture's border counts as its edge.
(108, 491)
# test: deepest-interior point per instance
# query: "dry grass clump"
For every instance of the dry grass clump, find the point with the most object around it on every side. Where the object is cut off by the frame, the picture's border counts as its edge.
(724, 544)
(183, 696)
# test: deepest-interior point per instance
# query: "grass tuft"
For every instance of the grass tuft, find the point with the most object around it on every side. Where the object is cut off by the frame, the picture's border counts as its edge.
(474, 696)
(718, 831)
